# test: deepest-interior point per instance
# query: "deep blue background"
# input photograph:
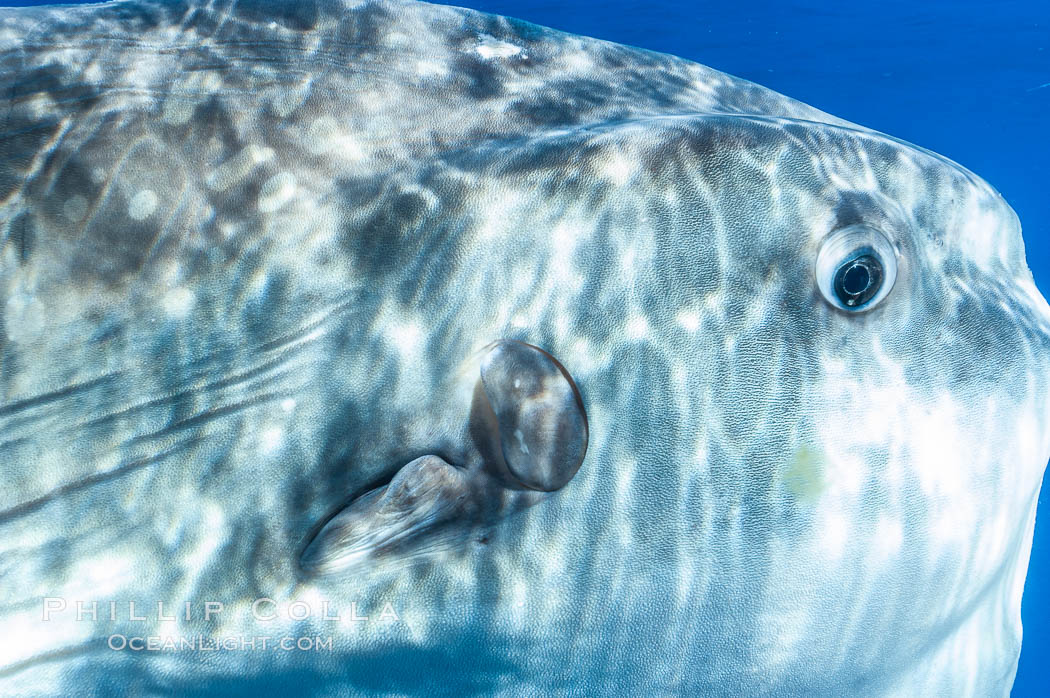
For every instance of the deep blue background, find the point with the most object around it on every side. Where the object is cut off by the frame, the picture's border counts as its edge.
(970, 80)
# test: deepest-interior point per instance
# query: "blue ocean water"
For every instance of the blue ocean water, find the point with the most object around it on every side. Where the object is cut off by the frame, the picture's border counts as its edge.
(967, 79)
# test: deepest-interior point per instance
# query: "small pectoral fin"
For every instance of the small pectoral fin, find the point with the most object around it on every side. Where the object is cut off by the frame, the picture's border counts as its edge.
(425, 494)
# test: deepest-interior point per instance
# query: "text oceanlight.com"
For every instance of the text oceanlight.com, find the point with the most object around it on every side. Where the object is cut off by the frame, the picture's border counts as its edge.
(201, 643)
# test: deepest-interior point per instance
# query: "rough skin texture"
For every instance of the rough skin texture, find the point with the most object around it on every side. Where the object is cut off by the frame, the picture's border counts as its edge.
(247, 249)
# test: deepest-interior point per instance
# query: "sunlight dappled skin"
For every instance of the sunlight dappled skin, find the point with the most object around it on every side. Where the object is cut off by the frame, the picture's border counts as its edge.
(257, 258)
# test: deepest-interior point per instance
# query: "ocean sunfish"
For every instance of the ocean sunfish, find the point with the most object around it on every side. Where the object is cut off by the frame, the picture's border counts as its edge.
(392, 348)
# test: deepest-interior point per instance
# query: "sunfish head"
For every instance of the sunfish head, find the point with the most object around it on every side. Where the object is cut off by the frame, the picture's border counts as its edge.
(814, 364)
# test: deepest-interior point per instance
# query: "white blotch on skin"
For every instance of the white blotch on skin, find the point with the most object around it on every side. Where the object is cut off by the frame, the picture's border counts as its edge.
(40, 105)
(519, 592)
(889, 535)
(142, 205)
(24, 317)
(106, 573)
(178, 302)
(578, 61)
(833, 533)
(637, 327)
(952, 525)
(325, 136)
(288, 405)
(430, 69)
(93, 73)
(491, 47)
(564, 238)
(407, 337)
(521, 440)
(498, 214)
(276, 192)
(627, 260)
(689, 320)
(619, 169)
(271, 439)
(212, 530)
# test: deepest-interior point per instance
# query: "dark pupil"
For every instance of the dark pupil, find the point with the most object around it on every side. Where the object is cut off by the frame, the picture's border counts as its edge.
(858, 280)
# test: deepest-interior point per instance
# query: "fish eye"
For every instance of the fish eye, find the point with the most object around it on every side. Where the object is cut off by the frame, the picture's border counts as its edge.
(856, 268)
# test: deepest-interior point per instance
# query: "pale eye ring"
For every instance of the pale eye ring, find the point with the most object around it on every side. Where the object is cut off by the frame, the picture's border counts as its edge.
(856, 268)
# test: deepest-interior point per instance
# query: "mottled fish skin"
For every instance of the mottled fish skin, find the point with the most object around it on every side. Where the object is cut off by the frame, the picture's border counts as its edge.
(249, 255)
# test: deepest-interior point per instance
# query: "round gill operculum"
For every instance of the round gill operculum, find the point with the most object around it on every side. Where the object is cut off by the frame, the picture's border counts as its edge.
(542, 422)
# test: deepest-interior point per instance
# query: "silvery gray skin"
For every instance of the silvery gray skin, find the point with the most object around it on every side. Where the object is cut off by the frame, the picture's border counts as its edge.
(571, 366)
